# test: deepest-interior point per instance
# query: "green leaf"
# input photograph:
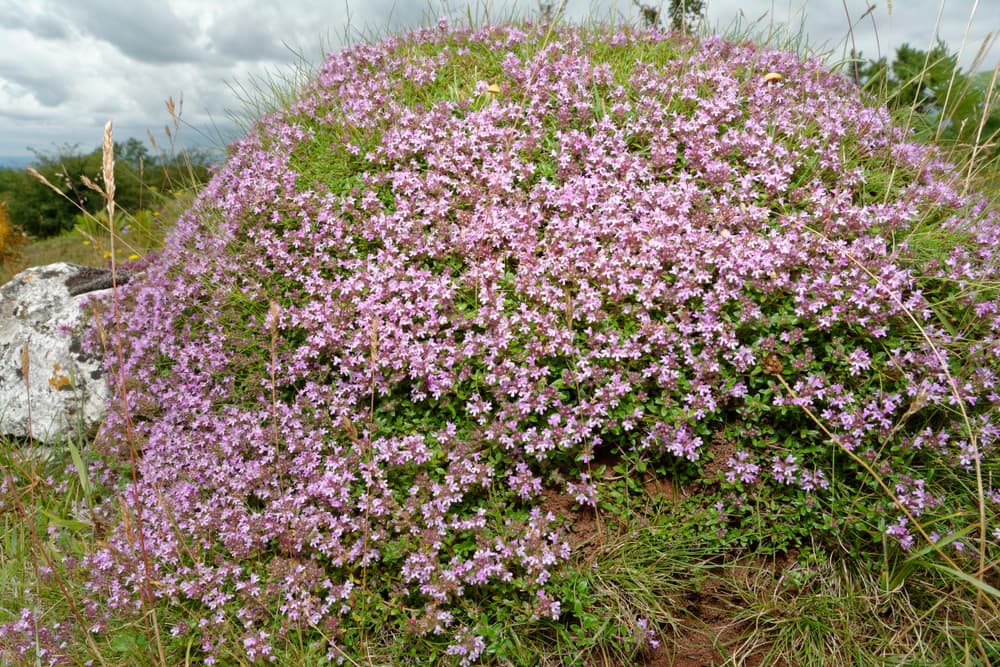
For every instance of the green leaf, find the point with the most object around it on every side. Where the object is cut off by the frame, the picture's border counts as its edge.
(81, 472)
(71, 524)
(967, 578)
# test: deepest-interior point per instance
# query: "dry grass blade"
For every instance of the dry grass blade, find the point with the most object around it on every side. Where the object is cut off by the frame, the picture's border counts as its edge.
(44, 181)
(980, 142)
(93, 186)
(108, 172)
(108, 192)
(25, 373)
(24, 362)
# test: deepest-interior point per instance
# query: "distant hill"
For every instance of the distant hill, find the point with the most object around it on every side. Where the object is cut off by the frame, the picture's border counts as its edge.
(16, 161)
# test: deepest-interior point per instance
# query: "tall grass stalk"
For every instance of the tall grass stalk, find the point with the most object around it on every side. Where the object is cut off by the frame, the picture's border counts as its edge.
(122, 388)
(984, 592)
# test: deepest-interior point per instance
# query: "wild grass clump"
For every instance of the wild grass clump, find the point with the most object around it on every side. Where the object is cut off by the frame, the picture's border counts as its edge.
(430, 315)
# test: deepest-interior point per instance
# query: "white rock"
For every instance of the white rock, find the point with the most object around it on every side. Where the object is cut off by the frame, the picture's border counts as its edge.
(65, 390)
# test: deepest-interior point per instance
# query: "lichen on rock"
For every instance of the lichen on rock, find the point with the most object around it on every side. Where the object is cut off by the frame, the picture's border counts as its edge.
(51, 388)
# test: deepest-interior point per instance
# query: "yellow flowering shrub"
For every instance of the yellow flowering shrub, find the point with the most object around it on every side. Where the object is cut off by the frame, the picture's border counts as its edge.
(11, 239)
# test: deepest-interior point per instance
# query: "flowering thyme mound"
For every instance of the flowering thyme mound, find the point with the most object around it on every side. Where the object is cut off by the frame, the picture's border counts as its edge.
(468, 264)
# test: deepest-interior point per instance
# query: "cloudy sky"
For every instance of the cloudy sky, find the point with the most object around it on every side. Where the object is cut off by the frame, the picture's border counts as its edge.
(69, 66)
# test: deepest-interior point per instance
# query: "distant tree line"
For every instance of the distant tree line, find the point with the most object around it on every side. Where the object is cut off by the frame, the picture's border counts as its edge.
(941, 102)
(142, 181)
(684, 15)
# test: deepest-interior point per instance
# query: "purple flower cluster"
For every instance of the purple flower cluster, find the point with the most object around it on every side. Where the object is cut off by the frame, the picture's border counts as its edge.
(741, 467)
(408, 299)
(31, 640)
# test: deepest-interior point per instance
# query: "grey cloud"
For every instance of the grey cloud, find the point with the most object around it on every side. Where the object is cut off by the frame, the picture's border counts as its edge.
(257, 32)
(26, 17)
(50, 94)
(145, 30)
(19, 118)
(48, 91)
(247, 40)
(48, 27)
(377, 18)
